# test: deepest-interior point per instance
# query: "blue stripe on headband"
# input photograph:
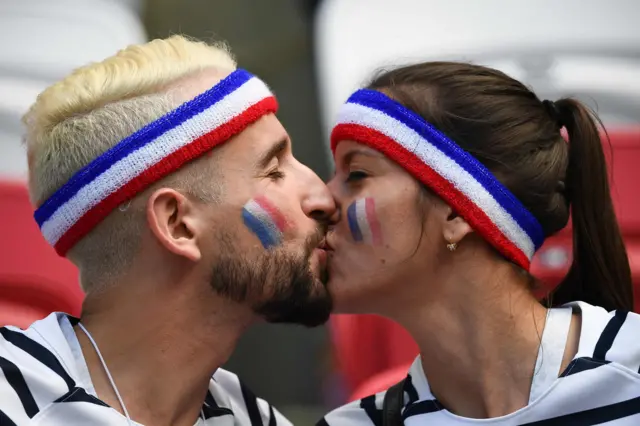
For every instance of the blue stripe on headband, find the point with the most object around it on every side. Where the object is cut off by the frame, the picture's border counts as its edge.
(392, 108)
(139, 139)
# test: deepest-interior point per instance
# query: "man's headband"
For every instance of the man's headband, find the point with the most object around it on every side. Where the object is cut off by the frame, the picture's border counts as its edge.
(148, 155)
(371, 118)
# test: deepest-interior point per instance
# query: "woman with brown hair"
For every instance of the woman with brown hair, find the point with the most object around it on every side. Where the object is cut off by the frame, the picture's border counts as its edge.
(449, 177)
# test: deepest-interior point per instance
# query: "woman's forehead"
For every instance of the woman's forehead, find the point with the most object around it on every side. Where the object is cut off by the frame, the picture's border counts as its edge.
(349, 148)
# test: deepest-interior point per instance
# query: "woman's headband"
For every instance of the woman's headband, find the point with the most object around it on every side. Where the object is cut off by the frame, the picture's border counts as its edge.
(148, 155)
(371, 118)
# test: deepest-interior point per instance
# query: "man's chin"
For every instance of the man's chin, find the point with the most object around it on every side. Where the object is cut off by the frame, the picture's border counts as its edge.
(312, 312)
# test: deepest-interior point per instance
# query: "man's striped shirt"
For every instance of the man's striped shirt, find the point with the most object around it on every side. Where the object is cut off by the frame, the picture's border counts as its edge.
(601, 386)
(44, 380)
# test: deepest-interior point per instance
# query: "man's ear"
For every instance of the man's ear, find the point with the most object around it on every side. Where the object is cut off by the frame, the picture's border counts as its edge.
(172, 220)
(455, 227)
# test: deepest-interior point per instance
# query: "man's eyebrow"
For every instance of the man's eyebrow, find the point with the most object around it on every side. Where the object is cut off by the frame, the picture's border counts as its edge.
(276, 150)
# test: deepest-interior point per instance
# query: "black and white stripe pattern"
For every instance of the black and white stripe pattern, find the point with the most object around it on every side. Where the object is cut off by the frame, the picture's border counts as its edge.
(42, 382)
(600, 386)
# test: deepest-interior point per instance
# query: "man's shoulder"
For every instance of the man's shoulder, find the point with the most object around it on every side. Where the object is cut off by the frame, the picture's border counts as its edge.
(37, 380)
(34, 374)
(42, 348)
(228, 395)
(363, 412)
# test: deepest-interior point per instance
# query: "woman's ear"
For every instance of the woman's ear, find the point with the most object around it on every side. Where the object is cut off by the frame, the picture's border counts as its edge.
(455, 227)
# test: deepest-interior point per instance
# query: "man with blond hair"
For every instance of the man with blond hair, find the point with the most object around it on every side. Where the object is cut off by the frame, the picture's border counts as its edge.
(163, 174)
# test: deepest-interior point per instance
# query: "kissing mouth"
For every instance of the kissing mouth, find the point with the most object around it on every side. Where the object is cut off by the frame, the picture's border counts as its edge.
(324, 245)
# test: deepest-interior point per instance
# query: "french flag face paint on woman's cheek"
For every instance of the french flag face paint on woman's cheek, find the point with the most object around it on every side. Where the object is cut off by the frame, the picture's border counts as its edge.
(265, 220)
(363, 221)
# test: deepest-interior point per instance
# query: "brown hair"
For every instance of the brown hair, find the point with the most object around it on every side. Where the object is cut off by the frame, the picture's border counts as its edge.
(517, 136)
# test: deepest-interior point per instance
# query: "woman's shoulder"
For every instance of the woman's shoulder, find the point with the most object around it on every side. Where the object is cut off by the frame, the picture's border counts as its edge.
(363, 412)
(609, 337)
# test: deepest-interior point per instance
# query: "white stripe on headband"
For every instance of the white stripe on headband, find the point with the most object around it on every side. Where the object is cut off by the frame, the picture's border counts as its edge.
(151, 153)
(372, 118)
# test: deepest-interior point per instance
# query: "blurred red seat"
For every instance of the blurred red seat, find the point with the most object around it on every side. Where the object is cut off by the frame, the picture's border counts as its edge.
(380, 381)
(367, 346)
(34, 280)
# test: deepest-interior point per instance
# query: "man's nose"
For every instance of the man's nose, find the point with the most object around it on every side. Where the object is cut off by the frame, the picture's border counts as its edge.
(317, 202)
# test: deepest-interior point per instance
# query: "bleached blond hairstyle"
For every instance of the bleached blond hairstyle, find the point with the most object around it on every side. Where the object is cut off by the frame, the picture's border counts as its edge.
(77, 119)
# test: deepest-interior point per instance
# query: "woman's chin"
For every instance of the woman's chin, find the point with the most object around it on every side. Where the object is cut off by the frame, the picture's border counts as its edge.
(347, 297)
(351, 282)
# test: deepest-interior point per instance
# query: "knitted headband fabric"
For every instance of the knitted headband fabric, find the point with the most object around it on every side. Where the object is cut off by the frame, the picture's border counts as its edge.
(371, 118)
(148, 155)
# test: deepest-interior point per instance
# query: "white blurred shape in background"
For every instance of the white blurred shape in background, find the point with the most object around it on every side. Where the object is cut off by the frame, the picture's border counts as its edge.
(41, 41)
(586, 48)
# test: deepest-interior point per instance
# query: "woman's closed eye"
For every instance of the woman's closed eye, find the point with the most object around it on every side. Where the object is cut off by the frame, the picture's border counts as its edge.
(356, 175)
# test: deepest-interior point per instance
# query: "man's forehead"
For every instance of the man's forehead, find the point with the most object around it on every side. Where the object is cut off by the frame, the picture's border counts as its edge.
(193, 85)
(259, 138)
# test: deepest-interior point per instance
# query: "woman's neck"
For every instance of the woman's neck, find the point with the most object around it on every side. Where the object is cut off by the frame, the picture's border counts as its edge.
(479, 339)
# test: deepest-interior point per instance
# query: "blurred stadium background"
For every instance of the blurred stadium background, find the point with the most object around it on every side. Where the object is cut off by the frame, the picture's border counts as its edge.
(313, 53)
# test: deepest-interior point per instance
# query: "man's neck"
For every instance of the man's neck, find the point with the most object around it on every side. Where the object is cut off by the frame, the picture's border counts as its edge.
(160, 349)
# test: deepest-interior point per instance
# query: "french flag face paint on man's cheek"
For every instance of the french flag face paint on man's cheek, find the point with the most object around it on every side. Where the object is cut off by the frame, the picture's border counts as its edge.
(363, 221)
(265, 220)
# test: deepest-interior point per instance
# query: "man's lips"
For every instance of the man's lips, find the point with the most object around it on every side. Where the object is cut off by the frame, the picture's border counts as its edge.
(325, 245)
(322, 252)
(321, 255)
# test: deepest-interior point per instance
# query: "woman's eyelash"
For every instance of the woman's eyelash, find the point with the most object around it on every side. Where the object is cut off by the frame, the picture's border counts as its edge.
(356, 175)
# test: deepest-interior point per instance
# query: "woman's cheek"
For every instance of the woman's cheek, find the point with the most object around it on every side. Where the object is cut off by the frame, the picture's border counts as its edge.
(363, 221)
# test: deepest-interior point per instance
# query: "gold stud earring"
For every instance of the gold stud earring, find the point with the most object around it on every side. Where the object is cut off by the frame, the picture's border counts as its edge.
(452, 246)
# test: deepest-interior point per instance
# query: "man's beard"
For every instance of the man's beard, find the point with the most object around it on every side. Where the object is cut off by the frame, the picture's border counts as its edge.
(279, 284)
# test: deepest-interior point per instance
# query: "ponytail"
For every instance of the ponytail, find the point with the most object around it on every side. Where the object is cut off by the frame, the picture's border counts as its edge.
(600, 272)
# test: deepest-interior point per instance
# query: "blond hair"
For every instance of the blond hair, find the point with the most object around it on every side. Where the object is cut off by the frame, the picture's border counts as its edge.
(77, 119)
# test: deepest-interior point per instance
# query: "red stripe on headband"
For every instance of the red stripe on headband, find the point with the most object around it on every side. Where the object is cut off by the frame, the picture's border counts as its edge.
(477, 218)
(166, 166)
